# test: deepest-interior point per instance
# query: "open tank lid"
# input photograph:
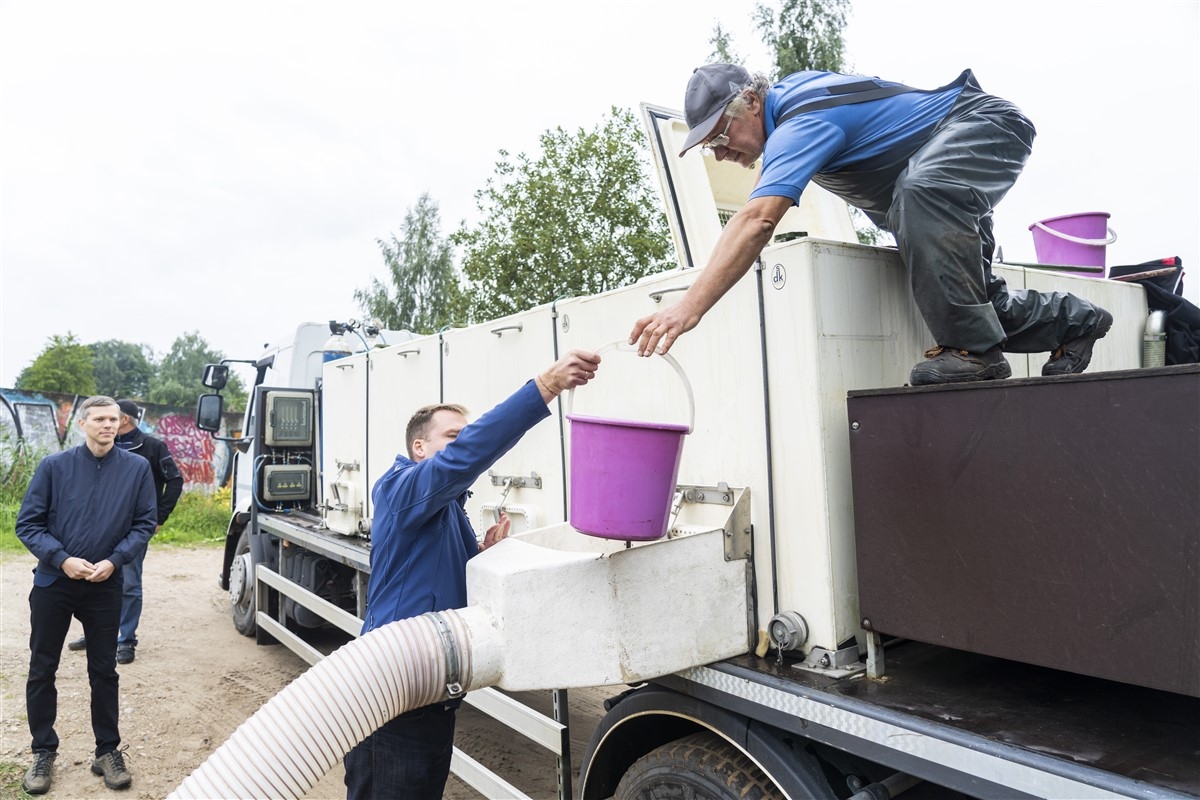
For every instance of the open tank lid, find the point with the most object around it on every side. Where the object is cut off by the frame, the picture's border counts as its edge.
(700, 193)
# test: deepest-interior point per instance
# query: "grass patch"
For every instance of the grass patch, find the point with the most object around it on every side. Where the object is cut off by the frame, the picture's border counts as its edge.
(11, 774)
(17, 464)
(8, 527)
(198, 518)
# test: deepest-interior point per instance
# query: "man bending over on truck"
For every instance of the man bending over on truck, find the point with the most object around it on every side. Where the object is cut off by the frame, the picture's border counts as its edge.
(420, 543)
(929, 166)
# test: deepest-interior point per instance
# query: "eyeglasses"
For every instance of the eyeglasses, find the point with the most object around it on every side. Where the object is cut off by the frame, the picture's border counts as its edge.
(720, 140)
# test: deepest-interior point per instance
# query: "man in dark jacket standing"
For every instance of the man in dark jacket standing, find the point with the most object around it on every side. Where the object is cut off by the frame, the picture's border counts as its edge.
(168, 485)
(87, 513)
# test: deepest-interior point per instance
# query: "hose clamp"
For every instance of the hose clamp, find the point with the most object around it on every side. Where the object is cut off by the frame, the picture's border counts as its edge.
(450, 646)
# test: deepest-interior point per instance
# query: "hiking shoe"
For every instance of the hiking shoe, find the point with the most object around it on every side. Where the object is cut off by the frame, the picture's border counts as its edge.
(1074, 356)
(948, 365)
(125, 654)
(78, 644)
(37, 778)
(112, 767)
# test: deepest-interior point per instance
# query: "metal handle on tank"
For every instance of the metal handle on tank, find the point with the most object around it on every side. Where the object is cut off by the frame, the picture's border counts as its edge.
(1112, 236)
(626, 347)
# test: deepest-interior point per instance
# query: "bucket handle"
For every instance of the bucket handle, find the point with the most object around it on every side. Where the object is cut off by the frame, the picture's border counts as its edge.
(625, 346)
(1112, 236)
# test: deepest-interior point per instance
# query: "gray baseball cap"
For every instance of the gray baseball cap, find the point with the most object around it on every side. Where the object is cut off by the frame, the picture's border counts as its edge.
(709, 90)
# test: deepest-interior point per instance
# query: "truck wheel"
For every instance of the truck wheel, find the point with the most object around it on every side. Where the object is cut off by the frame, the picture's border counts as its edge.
(700, 765)
(241, 588)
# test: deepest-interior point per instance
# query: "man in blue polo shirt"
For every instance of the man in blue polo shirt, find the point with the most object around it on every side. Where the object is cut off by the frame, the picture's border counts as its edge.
(420, 543)
(928, 166)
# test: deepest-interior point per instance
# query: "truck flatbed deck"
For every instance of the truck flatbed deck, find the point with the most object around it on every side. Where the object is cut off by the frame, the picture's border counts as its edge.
(1009, 729)
(306, 529)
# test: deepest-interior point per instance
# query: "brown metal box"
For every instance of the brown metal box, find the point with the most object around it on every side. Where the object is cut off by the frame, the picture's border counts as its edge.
(1053, 521)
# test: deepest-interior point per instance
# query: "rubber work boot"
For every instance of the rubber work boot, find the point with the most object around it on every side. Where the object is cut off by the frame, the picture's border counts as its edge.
(125, 654)
(1074, 356)
(112, 767)
(38, 777)
(78, 644)
(947, 365)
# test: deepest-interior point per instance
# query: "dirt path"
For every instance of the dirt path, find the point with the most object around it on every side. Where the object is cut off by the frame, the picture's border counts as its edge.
(195, 680)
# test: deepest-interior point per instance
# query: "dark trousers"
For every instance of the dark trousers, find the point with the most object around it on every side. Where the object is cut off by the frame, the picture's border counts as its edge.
(131, 600)
(408, 757)
(938, 203)
(98, 607)
(941, 215)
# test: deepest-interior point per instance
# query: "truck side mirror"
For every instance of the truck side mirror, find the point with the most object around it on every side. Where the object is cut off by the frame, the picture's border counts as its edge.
(208, 411)
(215, 376)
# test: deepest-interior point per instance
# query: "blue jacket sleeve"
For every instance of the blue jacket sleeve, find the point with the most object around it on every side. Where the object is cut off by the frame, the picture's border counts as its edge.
(145, 517)
(427, 488)
(33, 518)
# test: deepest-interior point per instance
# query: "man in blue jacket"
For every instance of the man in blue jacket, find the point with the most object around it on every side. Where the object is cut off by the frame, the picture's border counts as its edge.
(168, 486)
(421, 540)
(87, 513)
(929, 166)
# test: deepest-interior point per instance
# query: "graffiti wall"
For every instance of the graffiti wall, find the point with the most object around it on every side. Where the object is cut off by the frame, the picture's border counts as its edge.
(45, 421)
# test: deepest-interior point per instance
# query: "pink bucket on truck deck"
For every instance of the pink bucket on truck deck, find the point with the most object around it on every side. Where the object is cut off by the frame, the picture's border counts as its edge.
(1076, 240)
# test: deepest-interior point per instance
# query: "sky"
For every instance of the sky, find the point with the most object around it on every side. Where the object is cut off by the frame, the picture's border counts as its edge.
(228, 167)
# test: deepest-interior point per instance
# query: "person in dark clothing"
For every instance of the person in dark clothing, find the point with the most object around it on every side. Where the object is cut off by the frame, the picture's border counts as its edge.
(420, 543)
(929, 166)
(168, 485)
(87, 513)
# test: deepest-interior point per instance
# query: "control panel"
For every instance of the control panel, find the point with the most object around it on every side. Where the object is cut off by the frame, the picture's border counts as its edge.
(289, 419)
(286, 481)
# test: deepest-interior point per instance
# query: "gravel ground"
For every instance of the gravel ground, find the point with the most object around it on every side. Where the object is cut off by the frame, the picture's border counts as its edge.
(196, 679)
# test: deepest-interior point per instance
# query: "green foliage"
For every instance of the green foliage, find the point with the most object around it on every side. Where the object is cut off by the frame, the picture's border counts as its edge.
(722, 44)
(198, 517)
(804, 34)
(579, 219)
(8, 528)
(11, 775)
(424, 292)
(177, 382)
(867, 231)
(18, 461)
(122, 369)
(64, 365)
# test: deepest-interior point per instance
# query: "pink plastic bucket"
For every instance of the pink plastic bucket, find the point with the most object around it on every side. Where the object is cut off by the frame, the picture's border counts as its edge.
(1076, 240)
(623, 476)
(623, 472)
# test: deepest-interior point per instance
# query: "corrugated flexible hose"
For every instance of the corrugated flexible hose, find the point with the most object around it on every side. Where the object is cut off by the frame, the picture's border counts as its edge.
(289, 744)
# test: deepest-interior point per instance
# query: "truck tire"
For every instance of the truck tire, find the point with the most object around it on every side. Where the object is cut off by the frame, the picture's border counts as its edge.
(700, 765)
(242, 596)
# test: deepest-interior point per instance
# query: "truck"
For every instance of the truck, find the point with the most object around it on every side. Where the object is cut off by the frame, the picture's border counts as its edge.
(983, 590)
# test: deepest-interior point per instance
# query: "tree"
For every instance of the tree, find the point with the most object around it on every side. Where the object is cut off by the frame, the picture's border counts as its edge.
(722, 44)
(123, 369)
(807, 35)
(581, 218)
(64, 365)
(177, 382)
(804, 34)
(424, 293)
